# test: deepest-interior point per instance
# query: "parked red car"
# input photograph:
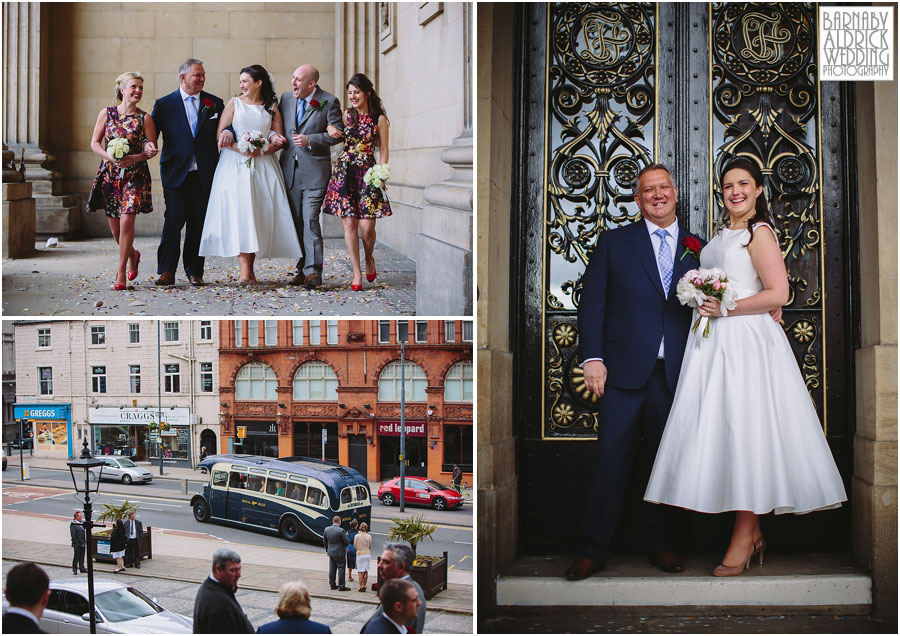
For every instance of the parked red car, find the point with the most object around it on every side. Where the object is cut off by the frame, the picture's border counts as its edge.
(426, 492)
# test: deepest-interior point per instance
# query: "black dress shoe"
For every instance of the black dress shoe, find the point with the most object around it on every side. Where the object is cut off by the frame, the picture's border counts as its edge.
(196, 281)
(165, 279)
(582, 568)
(137, 565)
(666, 561)
(343, 589)
(334, 587)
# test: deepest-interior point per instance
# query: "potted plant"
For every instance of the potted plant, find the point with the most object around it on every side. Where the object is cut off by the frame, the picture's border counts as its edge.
(430, 572)
(111, 513)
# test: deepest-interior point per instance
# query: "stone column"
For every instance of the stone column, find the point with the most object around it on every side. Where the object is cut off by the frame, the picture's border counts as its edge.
(445, 242)
(874, 490)
(18, 210)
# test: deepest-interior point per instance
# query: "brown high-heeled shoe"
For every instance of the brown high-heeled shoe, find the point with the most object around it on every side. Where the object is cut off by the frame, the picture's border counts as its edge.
(758, 547)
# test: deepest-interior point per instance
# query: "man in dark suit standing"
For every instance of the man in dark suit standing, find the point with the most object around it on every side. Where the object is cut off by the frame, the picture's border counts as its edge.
(399, 605)
(134, 532)
(187, 119)
(27, 590)
(76, 530)
(632, 332)
(307, 111)
(335, 540)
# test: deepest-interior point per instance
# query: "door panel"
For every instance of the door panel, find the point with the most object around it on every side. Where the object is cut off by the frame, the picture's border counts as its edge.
(606, 89)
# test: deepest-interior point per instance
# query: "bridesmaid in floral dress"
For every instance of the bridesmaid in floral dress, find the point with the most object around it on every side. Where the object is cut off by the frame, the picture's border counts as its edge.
(122, 187)
(348, 196)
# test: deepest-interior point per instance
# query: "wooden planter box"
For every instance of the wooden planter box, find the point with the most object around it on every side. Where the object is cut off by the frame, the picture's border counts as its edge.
(432, 578)
(100, 547)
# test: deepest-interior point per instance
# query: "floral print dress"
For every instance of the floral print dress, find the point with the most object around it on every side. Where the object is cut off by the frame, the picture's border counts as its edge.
(116, 191)
(348, 195)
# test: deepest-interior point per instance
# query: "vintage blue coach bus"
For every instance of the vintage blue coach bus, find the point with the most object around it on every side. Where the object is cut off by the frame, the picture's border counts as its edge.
(294, 497)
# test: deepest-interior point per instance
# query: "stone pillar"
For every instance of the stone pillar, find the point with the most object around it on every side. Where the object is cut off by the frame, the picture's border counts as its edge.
(874, 489)
(18, 211)
(25, 120)
(445, 243)
(496, 447)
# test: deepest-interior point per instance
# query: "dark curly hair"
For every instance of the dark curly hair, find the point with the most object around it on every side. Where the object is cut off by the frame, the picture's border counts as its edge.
(266, 91)
(761, 215)
(376, 108)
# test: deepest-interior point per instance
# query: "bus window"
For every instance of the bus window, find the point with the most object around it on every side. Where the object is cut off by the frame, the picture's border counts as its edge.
(257, 483)
(238, 480)
(362, 493)
(297, 492)
(220, 478)
(346, 495)
(315, 496)
(275, 487)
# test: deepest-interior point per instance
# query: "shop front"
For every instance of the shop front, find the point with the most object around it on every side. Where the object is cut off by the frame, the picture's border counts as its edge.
(388, 432)
(142, 433)
(259, 438)
(48, 426)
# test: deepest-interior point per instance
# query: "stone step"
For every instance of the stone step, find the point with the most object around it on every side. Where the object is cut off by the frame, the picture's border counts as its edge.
(60, 221)
(55, 201)
(787, 583)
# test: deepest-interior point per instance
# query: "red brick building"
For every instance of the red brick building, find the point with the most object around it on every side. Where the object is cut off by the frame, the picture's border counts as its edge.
(331, 388)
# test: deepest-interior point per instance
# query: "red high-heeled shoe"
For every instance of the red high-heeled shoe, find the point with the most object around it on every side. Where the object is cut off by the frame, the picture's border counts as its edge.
(371, 277)
(355, 287)
(119, 287)
(137, 261)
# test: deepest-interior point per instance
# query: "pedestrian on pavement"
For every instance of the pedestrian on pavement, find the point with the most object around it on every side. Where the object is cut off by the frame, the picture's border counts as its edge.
(293, 613)
(335, 540)
(351, 549)
(395, 563)
(76, 530)
(134, 531)
(216, 610)
(456, 477)
(363, 544)
(27, 590)
(202, 453)
(117, 543)
(400, 602)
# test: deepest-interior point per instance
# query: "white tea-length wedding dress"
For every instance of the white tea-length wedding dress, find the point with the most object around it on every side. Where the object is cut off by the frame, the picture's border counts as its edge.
(248, 209)
(743, 433)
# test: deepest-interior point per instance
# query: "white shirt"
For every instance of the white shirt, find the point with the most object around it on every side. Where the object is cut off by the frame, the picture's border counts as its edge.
(401, 628)
(187, 105)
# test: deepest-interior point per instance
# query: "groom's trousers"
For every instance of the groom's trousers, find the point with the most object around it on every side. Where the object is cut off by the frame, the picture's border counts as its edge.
(306, 204)
(625, 415)
(185, 208)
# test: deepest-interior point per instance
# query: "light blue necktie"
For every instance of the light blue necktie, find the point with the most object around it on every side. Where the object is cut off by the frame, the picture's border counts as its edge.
(300, 112)
(192, 113)
(664, 258)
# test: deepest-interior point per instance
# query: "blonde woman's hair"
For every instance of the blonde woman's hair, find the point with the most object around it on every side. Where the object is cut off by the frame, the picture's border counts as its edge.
(363, 526)
(124, 77)
(293, 600)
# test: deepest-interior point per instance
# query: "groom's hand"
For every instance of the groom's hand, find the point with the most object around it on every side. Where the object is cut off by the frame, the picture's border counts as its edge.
(595, 377)
(225, 139)
(776, 314)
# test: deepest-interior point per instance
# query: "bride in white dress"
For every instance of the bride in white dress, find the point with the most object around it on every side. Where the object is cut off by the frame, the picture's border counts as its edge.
(248, 213)
(743, 433)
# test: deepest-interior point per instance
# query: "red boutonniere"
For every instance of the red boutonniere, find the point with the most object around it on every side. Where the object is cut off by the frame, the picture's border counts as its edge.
(207, 103)
(692, 246)
(315, 104)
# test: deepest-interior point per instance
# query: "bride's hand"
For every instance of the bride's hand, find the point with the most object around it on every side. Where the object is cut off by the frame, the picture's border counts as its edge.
(711, 308)
(256, 152)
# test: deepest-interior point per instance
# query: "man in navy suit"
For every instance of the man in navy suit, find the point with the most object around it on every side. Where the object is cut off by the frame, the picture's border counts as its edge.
(187, 119)
(27, 590)
(399, 604)
(632, 332)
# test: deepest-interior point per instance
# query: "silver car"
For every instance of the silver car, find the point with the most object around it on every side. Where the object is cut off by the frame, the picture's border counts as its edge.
(120, 610)
(121, 469)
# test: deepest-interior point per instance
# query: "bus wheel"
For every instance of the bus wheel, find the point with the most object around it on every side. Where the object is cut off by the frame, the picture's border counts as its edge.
(387, 499)
(290, 529)
(201, 511)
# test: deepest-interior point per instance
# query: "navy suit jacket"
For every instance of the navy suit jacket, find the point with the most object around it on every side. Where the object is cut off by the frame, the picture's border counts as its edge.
(294, 626)
(623, 313)
(180, 146)
(18, 624)
(380, 625)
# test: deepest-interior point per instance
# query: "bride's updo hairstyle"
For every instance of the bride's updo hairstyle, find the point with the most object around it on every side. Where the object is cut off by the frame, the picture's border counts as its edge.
(122, 79)
(266, 91)
(376, 108)
(762, 206)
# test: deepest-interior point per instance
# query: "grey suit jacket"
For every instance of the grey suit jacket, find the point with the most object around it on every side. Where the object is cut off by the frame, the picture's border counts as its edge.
(310, 167)
(335, 540)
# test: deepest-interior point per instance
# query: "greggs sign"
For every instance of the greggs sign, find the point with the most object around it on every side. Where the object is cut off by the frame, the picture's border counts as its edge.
(392, 427)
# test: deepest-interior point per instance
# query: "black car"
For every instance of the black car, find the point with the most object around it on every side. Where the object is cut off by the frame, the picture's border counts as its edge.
(16, 444)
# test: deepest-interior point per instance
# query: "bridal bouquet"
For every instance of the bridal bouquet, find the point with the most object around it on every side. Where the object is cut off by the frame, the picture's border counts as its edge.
(118, 148)
(250, 140)
(699, 284)
(377, 175)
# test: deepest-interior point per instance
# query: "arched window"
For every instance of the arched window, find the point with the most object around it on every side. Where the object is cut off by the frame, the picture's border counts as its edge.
(458, 383)
(315, 381)
(255, 381)
(389, 383)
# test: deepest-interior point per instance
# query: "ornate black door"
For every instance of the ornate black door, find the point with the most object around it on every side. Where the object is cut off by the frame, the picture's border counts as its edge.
(608, 88)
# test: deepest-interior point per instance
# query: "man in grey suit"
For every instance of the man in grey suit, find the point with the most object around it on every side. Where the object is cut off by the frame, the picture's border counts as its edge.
(396, 563)
(335, 540)
(307, 111)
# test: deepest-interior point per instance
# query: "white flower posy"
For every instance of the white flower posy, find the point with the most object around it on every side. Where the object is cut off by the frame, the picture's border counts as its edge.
(250, 140)
(707, 282)
(377, 175)
(117, 148)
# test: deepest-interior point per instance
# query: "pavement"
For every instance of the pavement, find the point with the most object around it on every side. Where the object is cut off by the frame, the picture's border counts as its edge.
(76, 278)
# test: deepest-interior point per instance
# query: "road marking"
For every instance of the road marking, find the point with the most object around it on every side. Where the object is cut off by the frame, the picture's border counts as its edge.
(155, 503)
(463, 542)
(465, 557)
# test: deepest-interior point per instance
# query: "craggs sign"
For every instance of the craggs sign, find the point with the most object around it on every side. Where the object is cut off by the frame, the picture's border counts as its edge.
(392, 427)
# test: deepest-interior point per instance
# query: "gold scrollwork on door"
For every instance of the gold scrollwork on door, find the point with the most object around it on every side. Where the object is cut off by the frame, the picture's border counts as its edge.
(572, 408)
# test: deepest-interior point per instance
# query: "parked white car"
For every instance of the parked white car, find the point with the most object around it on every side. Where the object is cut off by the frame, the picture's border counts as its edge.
(121, 469)
(120, 610)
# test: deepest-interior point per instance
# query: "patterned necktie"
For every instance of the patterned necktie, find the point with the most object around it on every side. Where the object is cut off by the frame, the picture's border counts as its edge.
(664, 258)
(300, 112)
(192, 113)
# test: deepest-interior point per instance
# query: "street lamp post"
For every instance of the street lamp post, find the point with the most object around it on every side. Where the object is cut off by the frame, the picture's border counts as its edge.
(402, 425)
(81, 468)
